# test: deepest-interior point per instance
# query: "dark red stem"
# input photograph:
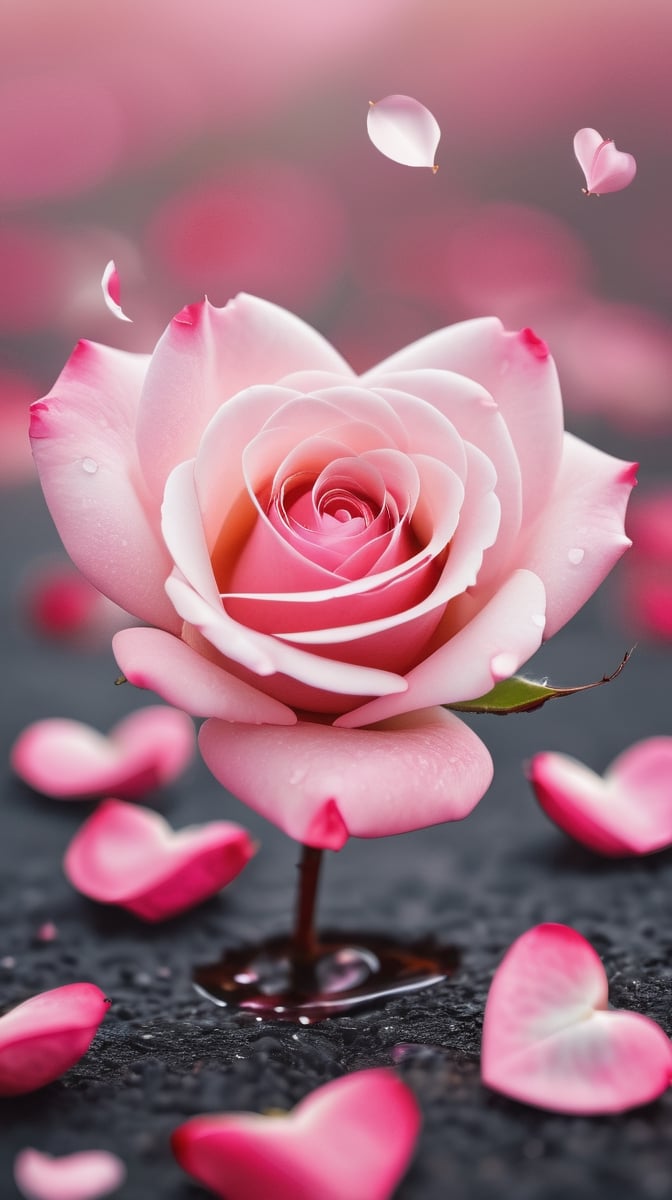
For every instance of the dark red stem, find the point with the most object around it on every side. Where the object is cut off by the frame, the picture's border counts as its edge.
(305, 940)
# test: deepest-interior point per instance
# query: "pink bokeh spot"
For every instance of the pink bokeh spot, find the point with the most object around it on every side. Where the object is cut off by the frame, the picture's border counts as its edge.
(350, 1140)
(273, 229)
(47, 1034)
(549, 1039)
(71, 761)
(627, 812)
(57, 602)
(85, 1175)
(129, 856)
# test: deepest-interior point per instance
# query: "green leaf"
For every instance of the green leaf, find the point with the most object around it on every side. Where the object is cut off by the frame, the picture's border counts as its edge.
(524, 695)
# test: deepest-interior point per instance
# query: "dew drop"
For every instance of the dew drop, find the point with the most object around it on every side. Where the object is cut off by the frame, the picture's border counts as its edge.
(575, 555)
(89, 465)
(503, 665)
(539, 620)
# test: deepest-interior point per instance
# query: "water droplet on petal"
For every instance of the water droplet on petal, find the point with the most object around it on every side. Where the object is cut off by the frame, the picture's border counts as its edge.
(404, 130)
(89, 465)
(112, 291)
(576, 555)
(539, 620)
(503, 665)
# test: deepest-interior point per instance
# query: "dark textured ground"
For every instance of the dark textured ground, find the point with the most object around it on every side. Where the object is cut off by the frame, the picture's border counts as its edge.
(163, 1055)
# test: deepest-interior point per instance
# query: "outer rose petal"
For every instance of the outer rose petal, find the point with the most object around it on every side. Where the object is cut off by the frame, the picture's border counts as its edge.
(322, 785)
(350, 1140)
(47, 1034)
(153, 659)
(83, 437)
(580, 535)
(520, 375)
(206, 356)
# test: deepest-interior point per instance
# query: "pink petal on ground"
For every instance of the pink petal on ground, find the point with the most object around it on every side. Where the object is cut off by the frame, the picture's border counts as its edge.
(69, 760)
(350, 1140)
(82, 1176)
(550, 1040)
(404, 130)
(44, 1036)
(606, 169)
(150, 658)
(321, 784)
(112, 291)
(628, 812)
(130, 856)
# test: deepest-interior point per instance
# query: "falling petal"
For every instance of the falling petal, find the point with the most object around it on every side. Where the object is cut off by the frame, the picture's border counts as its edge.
(112, 291)
(86, 1175)
(404, 130)
(606, 169)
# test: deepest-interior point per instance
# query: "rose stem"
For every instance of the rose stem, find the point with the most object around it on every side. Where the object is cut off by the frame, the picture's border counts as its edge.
(304, 940)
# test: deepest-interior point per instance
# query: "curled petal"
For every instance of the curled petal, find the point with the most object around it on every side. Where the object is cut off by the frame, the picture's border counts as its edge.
(321, 784)
(627, 812)
(69, 760)
(404, 130)
(150, 658)
(350, 1140)
(468, 664)
(549, 1039)
(44, 1036)
(129, 856)
(112, 291)
(85, 1175)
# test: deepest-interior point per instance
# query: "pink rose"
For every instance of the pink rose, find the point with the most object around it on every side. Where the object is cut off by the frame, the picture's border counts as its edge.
(321, 553)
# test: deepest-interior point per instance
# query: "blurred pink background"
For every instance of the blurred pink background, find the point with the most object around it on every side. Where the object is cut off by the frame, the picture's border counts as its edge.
(220, 146)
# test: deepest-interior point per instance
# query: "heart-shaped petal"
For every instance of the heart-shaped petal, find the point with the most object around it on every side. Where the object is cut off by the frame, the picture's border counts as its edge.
(349, 1140)
(627, 812)
(82, 1176)
(606, 169)
(550, 1040)
(404, 130)
(44, 1036)
(70, 760)
(128, 855)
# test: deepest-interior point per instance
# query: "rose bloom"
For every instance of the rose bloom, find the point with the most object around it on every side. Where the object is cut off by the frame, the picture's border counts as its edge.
(325, 559)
